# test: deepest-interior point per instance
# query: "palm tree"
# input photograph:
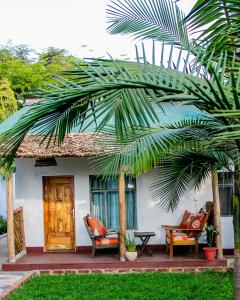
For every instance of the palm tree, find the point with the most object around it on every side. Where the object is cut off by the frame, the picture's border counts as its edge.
(204, 74)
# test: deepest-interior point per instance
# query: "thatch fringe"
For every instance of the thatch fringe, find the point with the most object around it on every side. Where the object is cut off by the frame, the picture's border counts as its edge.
(74, 145)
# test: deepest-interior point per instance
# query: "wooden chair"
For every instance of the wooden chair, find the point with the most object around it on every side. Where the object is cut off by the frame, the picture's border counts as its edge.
(106, 239)
(180, 236)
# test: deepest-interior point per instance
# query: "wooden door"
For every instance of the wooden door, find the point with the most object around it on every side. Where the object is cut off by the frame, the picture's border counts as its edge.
(59, 213)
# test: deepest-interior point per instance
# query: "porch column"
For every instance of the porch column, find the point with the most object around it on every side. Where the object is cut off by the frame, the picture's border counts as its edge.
(122, 215)
(10, 220)
(217, 212)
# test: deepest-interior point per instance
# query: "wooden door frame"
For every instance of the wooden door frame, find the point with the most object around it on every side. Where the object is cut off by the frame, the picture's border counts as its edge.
(44, 213)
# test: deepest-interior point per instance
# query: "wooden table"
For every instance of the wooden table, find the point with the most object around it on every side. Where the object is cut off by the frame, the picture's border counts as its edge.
(144, 237)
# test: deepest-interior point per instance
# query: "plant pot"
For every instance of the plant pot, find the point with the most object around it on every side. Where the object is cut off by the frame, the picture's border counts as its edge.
(210, 253)
(131, 256)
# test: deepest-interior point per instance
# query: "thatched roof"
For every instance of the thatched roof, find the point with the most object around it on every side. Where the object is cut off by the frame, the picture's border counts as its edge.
(74, 145)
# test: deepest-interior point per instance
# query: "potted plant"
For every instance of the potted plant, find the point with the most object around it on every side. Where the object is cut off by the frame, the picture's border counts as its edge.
(131, 249)
(210, 251)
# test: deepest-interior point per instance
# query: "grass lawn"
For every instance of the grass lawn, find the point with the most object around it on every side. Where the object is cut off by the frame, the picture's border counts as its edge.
(207, 285)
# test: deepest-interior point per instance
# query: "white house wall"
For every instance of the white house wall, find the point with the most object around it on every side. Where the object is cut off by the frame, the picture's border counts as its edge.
(3, 195)
(3, 202)
(150, 216)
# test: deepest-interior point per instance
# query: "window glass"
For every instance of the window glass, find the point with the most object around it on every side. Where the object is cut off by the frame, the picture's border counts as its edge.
(98, 205)
(226, 186)
(97, 183)
(112, 184)
(104, 201)
(113, 210)
(130, 207)
(225, 178)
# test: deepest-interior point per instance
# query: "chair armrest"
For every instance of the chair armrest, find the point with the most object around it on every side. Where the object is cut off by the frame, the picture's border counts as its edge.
(177, 228)
(99, 236)
(170, 227)
(183, 229)
(112, 232)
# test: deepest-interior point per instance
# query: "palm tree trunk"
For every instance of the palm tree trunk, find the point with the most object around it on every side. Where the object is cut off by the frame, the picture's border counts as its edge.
(122, 216)
(217, 213)
(10, 220)
(236, 225)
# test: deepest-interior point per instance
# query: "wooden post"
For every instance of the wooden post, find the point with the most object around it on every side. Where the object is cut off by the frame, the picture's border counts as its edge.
(217, 212)
(122, 215)
(10, 220)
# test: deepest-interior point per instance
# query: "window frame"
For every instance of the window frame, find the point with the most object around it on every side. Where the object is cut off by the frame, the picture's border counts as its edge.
(105, 191)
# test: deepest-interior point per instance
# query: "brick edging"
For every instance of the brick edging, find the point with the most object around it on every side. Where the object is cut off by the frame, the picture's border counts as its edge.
(109, 271)
(132, 270)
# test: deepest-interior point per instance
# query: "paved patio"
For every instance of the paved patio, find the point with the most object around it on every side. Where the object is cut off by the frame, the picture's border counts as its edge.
(10, 280)
(3, 251)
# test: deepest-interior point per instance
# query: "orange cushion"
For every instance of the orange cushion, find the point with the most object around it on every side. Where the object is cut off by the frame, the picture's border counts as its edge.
(185, 220)
(192, 221)
(96, 226)
(107, 241)
(180, 236)
(196, 222)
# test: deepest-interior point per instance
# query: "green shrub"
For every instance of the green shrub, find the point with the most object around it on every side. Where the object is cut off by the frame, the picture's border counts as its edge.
(3, 225)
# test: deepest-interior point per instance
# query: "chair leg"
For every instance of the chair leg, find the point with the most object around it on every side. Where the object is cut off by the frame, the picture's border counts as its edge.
(167, 248)
(93, 251)
(196, 249)
(171, 251)
(166, 245)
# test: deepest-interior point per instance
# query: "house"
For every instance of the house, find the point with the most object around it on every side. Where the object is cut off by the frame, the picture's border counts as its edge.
(56, 188)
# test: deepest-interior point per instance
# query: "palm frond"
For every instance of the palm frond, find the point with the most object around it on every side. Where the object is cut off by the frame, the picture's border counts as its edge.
(126, 94)
(148, 19)
(182, 172)
(140, 152)
(222, 100)
(218, 22)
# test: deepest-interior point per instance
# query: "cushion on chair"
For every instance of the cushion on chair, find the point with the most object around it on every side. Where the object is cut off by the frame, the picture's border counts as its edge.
(107, 241)
(192, 221)
(196, 222)
(180, 236)
(185, 220)
(96, 226)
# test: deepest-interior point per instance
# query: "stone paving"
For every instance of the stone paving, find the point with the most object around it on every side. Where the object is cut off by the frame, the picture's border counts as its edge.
(3, 250)
(9, 279)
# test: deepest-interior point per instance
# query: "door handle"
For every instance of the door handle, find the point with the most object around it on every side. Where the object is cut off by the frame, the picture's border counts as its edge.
(73, 213)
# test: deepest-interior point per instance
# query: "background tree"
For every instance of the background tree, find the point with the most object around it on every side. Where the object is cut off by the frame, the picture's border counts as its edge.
(8, 103)
(28, 71)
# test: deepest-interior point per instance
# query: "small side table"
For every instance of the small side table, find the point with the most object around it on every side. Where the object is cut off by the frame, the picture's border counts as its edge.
(144, 237)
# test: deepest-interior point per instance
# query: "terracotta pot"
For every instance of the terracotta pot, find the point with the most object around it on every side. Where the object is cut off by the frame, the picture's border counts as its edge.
(210, 253)
(131, 256)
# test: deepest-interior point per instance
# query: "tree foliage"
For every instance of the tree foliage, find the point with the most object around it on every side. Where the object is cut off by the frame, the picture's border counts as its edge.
(28, 71)
(8, 103)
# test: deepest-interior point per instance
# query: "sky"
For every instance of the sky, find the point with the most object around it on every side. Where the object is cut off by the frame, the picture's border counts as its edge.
(65, 24)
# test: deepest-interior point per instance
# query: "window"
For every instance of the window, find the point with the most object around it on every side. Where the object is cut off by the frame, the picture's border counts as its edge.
(104, 201)
(226, 185)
